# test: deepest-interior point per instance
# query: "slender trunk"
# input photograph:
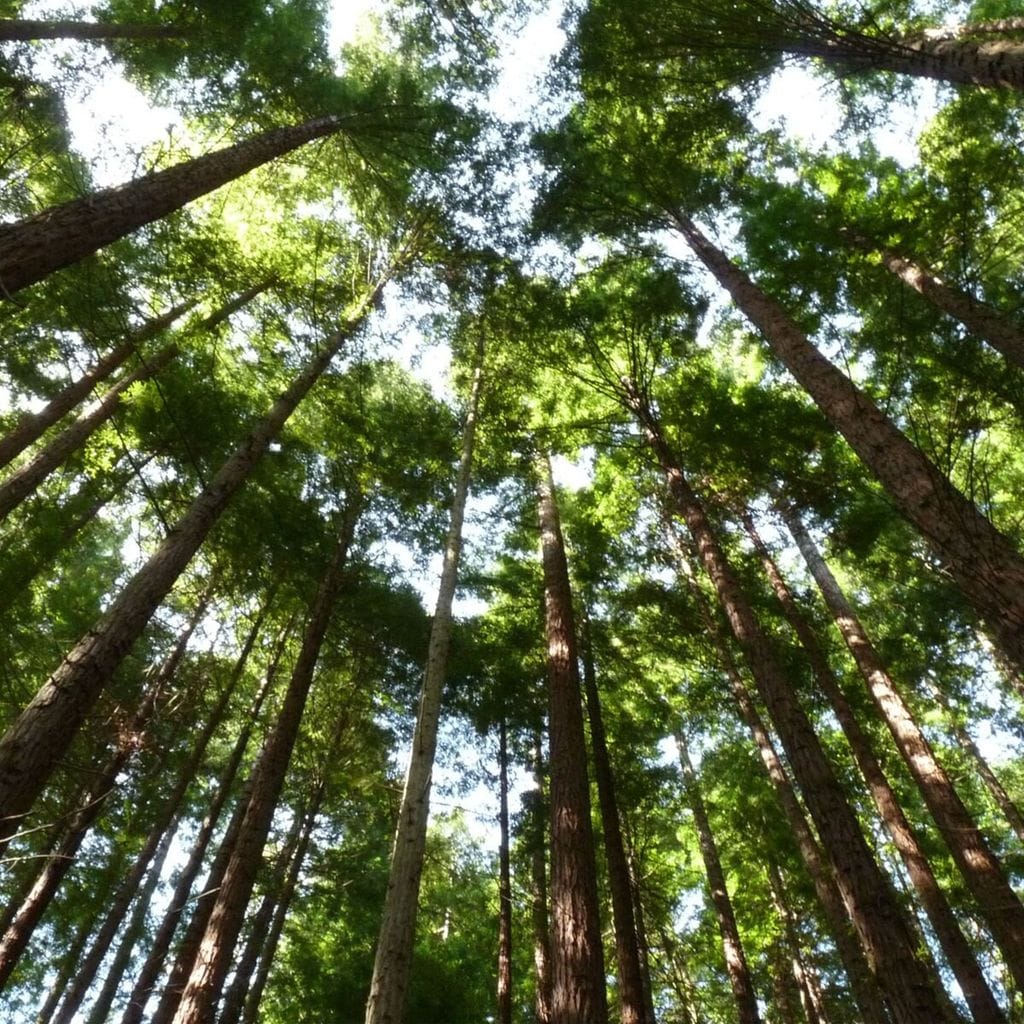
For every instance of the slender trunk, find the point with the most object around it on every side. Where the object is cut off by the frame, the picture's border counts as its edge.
(33, 744)
(60, 862)
(504, 884)
(643, 945)
(68, 964)
(213, 959)
(869, 900)
(956, 948)
(986, 566)
(992, 784)
(161, 942)
(156, 845)
(34, 248)
(631, 987)
(24, 481)
(240, 301)
(30, 426)
(784, 987)
(981, 870)
(23, 29)
(393, 961)
(862, 982)
(534, 806)
(681, 978)
(735, 960)
(578, 986)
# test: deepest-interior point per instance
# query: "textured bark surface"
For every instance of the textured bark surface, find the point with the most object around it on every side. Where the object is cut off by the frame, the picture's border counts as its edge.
(985, 565)
(578, 985)
(980, 868)
(36, 247)
(957, 950)
(393, 960)
(32, 746)
(732, 946)
(14, 29)
(869, 900)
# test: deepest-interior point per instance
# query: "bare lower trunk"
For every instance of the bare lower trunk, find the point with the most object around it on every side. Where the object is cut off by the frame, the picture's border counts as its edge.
(32, 746)
(732, 946)
(68, 965)
(986, 566)
(957, 950)
(393, 961)
(980, 868)
(504, 884)
(24, 29)
(534, 807)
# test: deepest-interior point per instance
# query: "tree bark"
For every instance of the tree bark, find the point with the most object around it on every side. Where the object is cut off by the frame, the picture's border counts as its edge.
(213, 960)
(504, 884)
(578, 986)
(32, 249)
(33, 744)
(627, 949)
(24, 481)
(69, 962)
(732, 946)
(534, 806)
(393, 961)
(869, 900)
(24, 29)
(986, 566)
(31, 426)
(980, 868)
(957, 950)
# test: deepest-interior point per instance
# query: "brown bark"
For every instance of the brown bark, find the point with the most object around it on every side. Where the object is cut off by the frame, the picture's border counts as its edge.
(957, 950)
(631, 989)
(504, 884)
(393, 960)
(30, 426)
(985, 565)
(980, 868)
(732, 946)
(869, 900)
(534, 804)
(213, 960)
(25, 29)
(33, 744)
(34, 248)
(578, 986)
(68, 963)
(643, 945)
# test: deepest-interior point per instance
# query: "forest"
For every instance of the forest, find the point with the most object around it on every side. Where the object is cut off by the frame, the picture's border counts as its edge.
(503, 518)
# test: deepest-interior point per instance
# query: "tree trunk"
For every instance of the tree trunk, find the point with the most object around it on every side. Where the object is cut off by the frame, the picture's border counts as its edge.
(31, 426)
(732, 946)
(578, 986)
(240, 301)
(60, 862)
(643, 945)
(69, 961)
(986, 566)
(504, 884)
(33, 744)
(34, 248)
(957, 950)
(213, 960)
(157, 844)
(393, 961)
(534, 808)
(631, 987)
(22, 29)
(981, 870)
(24, 481)
(161, 941)
(869, 900)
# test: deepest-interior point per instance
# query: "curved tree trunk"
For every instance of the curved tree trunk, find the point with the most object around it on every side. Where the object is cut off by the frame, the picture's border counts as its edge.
(735, 960)
(24, 29)
(33, 744)
(393, 960)
(986, 566)
(956, 948)
(578, 986)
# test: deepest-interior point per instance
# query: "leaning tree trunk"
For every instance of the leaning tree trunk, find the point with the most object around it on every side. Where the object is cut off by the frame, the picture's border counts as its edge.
(958, 952)
(732, 946)
(869, 899)
(32, 249)
(393, 961)
(504, 884)
(25, 29)
(213, 961)
(627, 948)
(24, 481)
(986, 566)
(578, 985)
(68, 965)
(32, 746)
(979, 866)
(31, 426)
